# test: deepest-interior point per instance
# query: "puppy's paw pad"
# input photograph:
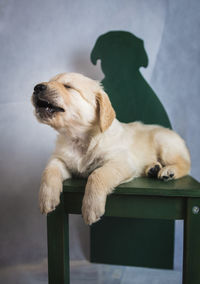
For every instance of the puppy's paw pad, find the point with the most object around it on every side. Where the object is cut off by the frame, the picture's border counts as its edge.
(166, 174)
(153, 171)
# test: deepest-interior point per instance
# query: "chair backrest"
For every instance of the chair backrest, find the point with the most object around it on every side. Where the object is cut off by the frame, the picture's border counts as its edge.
(122, 54)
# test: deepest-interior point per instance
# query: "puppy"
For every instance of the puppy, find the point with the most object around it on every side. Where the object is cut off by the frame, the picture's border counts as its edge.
(93, 143)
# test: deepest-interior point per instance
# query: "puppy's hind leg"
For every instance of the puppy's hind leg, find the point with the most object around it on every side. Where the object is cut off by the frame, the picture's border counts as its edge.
(172, 154)
(177, 168)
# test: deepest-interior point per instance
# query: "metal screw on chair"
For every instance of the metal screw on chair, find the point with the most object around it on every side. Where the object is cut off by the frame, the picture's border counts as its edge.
(195, 210)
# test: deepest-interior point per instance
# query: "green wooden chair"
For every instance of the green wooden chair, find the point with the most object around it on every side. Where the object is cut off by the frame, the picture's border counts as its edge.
(143, 208)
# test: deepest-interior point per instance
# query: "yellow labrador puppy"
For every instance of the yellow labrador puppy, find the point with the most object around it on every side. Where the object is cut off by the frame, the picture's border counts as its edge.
(93, 143)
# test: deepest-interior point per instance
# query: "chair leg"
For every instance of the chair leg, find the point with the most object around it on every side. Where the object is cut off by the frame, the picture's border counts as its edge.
(191, 257)
(58, 246)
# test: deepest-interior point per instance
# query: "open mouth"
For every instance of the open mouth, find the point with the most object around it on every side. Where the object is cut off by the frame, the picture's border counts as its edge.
(45, 105)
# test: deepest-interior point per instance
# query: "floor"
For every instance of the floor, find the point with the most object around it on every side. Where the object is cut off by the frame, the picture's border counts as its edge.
(83, 272)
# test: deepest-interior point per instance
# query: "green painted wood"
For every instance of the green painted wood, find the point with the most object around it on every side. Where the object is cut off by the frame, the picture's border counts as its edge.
(58, 246)
(145, 207)
(191, 264)
(184, 187)
(125, 252)
(166, 208)
(73, 202)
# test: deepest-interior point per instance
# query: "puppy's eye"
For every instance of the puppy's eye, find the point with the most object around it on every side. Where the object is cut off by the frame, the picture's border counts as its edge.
(67, 86)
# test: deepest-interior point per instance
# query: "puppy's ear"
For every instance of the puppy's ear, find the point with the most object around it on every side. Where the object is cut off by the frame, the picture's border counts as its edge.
(106, 111)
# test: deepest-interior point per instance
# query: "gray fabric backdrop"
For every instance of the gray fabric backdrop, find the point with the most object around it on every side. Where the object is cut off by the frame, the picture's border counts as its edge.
(41, 38)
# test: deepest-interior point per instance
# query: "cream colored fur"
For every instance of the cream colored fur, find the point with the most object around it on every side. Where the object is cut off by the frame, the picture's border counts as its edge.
(93, 143)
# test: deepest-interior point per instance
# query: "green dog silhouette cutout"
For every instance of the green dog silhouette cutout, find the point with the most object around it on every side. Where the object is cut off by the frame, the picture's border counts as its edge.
(122, 54)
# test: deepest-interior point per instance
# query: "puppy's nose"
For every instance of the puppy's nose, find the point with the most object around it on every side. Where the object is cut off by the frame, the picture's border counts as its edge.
(39, 88)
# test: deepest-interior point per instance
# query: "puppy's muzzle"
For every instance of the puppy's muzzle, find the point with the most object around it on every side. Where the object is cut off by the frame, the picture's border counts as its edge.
(43, 102)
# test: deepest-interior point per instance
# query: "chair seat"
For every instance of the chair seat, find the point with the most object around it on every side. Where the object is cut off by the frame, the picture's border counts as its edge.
(183, 187)
(141, 202)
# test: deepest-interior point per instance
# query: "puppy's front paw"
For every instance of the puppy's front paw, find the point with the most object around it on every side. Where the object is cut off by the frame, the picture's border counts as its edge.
(93, 208)
(49, 198)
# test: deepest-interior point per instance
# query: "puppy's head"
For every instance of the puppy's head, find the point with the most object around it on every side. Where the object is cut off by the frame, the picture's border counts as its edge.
(72, 100)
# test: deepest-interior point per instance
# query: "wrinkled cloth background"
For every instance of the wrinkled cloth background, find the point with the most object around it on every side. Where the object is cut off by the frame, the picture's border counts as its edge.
(39, 39)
